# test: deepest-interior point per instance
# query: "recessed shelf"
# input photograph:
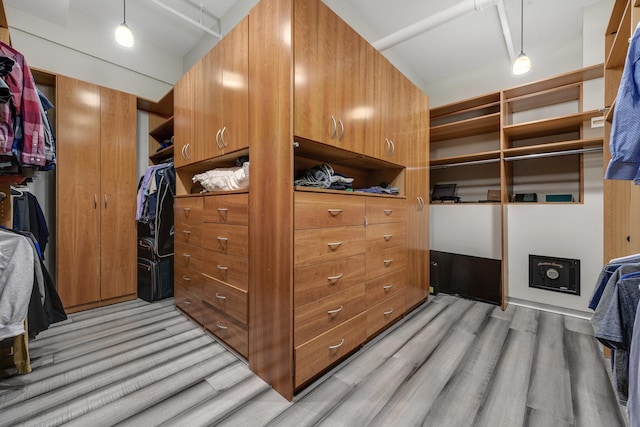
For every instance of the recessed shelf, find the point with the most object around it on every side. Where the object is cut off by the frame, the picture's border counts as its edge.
(161, 155)
(475, 126)
(163, 131)
(475, 157)
(563, 124)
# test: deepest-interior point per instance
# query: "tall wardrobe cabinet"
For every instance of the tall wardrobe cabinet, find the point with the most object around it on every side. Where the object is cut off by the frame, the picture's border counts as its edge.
(96, 194)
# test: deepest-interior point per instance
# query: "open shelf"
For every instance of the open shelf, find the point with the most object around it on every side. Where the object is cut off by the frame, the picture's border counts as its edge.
(488, 156)
(554, 147)
(609, 115)
(618, 52)
(472, 104)
(563, 124)
(161, 155)
(547, 97)
(588, 73)
(163, 131)
(460, 129)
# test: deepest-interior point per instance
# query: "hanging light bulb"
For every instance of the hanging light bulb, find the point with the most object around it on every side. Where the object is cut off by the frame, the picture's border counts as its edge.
(123, 35)
(522, 64)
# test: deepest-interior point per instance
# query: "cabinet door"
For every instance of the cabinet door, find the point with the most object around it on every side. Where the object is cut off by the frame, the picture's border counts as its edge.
(118, 198)
(189, 116)
(314, 62)
(211, 124)
(78, 188)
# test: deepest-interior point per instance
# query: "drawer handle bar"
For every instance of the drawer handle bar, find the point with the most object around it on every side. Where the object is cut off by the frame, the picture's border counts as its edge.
(388, 211)
(334, 279)
(221, 326)
(186, 256)
(222, 267)
(187, 211)
(387, 262)
(186, 278)
(387, 237)
(333, 347)
(386, 313)
(334, 212)
(334, 245)
(223, 210)
(222, 239)
(187, 302)
(388, 287)
(222, 297)
(186, 232)
(336, 311)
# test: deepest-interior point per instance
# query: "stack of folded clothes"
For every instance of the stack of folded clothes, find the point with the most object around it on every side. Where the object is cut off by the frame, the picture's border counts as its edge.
(323, 176)
(383, 188)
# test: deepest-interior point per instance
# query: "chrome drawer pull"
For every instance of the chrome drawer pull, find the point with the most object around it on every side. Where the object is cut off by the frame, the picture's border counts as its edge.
(341, 130)
(222, 267)
(222, 239)
(334, 212)
(334, 279)
(187, 211)
(335, 245)
(388, 211)
(387, 288)
(187, 256)
(336, 311)
(387, 237)
(386, 313)
(334, 128)
(221, 326)
(222, 297)
(333, 347)
(387, 262)
(186, 232)
(223, 210)
(187, 302)
(186, 279)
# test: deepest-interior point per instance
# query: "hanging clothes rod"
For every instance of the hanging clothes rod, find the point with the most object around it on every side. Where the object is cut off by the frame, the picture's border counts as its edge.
(553, 154)
(470, 163)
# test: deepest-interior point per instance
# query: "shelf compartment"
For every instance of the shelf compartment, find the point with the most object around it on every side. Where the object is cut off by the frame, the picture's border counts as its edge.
(163, 131)
(469, 127)
(618, 51)
(555, 147)
(477, 103)
(466, 114)
(616, 15)
(161, 155)
(538, 128)
(164, 107)
(487, 157)
(584, 74)
(545, 98)
(611, 111)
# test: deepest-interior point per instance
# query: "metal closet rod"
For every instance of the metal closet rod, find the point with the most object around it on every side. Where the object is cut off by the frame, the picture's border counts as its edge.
(553, 154)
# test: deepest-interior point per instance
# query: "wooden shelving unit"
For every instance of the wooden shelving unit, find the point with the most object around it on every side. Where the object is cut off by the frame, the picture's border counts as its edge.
(556, 125)
(161, 124)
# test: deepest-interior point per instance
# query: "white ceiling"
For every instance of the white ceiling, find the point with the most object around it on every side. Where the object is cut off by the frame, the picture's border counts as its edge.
(461, 44)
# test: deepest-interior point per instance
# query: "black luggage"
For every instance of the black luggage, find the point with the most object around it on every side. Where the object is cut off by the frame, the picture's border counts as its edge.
(155, 279)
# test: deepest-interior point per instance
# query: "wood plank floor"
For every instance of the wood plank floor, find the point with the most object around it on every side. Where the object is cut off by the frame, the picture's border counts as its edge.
(453, 362)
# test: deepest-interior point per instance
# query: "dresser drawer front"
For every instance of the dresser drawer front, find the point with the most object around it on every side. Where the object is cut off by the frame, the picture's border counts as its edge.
(186, 277)
(386, 235)
(189, 233)
(383, 287)
(382, 314)
(319, 316)
(187, 256)
(386, 261)
(230, 269)
(320, 280)
(188, 209)
(188, 303)
(227, 299)
(223, 327)
(384, 209)
(226, 239)
(313, 210)
(227, 209)
(314, 246)
(326, 349)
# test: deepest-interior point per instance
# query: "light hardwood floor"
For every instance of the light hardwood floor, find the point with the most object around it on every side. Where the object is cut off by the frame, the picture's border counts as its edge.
(452, 362)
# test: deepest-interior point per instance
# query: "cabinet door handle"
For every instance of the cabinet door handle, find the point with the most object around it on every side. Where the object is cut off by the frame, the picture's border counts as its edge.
(387, 288)
(387, 237)
(333, 347)
(95, 201)
(222, 297)
(388, 212)
(187, 148)
(336, 311)
(186, 278)
(186, 256)
(222, 267)
(334, 245)
(386, 313)
(224, 141)
(387, 262)
(341, 130)
(388, 145)
(334, 279)
(186, 302)
(106, 201)
(334, 128)
(221, 326)
(218, 140)
(223, 210)
(334, 212)
(184, 155)
(393, 147)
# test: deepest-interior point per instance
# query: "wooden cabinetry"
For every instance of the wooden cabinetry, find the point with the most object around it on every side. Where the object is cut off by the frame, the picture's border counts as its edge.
(96, 188)
(621, 198)
(160, 127)
(189, 116)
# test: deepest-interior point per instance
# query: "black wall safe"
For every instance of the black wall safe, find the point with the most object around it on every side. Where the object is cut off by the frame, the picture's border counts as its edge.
(554, 274)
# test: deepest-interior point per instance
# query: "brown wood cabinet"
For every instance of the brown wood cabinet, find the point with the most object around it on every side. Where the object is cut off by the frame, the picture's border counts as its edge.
(96, 194)
(188, 93)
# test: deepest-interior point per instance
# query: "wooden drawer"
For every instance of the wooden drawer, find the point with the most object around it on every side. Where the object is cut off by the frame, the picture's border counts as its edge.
(188, 303)
(314, 246)
(227, 209)
(186, 277)
(188, 209)
(186, 232)
(321, 280)
(230, 269)
(326, 349)
(316, 317)
(227, 299)
(226, 239)
(386, 235)
(385, 209)
(382, 314)
(383, 287)
(223, 327)
(386, 261)
(313, 210)
(187, 256)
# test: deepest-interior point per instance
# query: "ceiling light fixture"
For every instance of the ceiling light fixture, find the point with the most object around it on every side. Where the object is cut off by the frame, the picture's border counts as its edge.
(522, 64)
(123, 35)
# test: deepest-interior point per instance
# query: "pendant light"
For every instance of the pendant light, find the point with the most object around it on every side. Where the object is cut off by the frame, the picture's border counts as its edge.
(522, 64)
(123, 35)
